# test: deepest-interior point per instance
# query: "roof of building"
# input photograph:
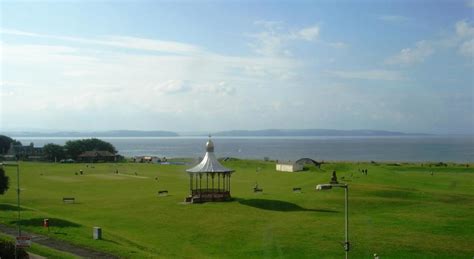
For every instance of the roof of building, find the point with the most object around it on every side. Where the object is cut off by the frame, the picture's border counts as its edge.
(286, 163)
(209, 163)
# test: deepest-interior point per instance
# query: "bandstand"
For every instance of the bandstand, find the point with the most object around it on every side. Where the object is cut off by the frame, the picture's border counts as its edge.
(209, 180)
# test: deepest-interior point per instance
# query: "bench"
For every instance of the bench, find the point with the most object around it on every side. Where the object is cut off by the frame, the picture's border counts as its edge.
(163, 193)
(297, 189)
(257, 190)
(69, 200)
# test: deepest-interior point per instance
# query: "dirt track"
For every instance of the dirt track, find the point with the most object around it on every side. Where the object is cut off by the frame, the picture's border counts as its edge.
(57, 244)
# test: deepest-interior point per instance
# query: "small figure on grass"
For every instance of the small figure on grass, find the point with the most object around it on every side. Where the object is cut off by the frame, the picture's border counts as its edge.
(136, 173)
(116, 171)
(80, 171)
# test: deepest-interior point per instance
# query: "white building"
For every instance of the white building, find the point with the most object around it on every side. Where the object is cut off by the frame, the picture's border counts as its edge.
(289, 166)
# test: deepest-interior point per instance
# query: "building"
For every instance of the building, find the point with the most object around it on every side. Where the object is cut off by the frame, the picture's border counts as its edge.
(209, 180)
(97, 156)
(20, 152)
(289, 166)
(296, 166)
(147, 159)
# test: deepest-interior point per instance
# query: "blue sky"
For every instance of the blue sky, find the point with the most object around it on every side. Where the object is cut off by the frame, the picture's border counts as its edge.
(219, 65)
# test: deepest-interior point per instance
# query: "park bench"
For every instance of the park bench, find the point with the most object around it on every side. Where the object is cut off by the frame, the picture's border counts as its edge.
(163, 193)
(296, 189)
(257, 190)
(69, 200)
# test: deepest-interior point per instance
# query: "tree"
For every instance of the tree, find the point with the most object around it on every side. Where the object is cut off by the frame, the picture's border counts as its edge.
(5, 143)
(75, 147)
(54, 152)
(3, 181)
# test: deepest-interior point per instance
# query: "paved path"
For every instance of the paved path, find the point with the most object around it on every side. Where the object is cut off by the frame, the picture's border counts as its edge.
(57, 244)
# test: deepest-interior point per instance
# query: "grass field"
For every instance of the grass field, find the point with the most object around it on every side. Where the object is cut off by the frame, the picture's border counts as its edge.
(396, 211)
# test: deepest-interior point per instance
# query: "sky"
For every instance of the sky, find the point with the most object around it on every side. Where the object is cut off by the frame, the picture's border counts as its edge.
(221, 65)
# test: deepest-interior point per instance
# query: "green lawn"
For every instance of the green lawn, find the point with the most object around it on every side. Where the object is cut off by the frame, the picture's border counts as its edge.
(396, 211)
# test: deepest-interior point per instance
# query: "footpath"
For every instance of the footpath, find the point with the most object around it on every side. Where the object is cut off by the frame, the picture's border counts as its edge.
(57, 244)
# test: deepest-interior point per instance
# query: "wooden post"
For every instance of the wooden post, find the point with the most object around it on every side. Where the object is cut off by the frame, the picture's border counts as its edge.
(191, 183)
(200, 184)
(196, 182)
(223, 182)
(212, 176)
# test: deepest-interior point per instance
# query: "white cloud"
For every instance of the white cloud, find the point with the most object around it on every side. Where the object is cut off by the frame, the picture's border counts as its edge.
(309, 33)
(270, 44)
(19, 33)
(465, 34)
(467, 48)
(374, 74)
(275, 39)
(408, 56)
(117, 41)
(180, 81)
(172, 86)
(148, 44)
(393, 18)
(464, 29)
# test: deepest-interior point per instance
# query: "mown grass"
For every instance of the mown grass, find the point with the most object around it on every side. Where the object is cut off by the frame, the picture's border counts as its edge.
(397, 211)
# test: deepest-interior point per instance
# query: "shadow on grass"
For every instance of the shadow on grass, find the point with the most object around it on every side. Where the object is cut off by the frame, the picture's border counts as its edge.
(53, 222)
(276, 205)
(5, 207)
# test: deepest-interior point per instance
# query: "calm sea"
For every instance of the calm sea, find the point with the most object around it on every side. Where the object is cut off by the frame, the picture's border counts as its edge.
(424, 148)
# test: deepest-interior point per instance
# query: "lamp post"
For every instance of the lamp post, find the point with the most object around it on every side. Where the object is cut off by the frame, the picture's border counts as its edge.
(17, 195)
(334, 183)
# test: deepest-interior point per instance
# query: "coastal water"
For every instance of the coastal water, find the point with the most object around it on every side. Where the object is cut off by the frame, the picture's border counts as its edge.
(404, 148)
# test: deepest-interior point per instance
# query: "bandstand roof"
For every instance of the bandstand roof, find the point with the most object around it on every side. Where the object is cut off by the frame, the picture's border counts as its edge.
(209, 163)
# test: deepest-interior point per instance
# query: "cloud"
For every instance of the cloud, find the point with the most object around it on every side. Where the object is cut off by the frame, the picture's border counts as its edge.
(85, 78)
(117, 41)
(374, 74)
(465, 33)
(172, 86)
(464, 29)
(409, 56)
(308, 33)
(394, 18)
(269, 43)
(275, 39)
(19, 33)
(467, 48)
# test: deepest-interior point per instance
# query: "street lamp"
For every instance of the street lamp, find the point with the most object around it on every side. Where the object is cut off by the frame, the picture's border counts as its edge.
(17, 195)
(334, 183)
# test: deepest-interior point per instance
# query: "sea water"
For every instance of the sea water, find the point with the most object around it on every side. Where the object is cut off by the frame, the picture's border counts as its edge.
(399, 148)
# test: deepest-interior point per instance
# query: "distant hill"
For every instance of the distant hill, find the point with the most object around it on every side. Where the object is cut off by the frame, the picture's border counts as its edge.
(110, 133)
(311, 132)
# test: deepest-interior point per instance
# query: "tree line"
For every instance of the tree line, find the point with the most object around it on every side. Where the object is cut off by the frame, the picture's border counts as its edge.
(72, 149)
